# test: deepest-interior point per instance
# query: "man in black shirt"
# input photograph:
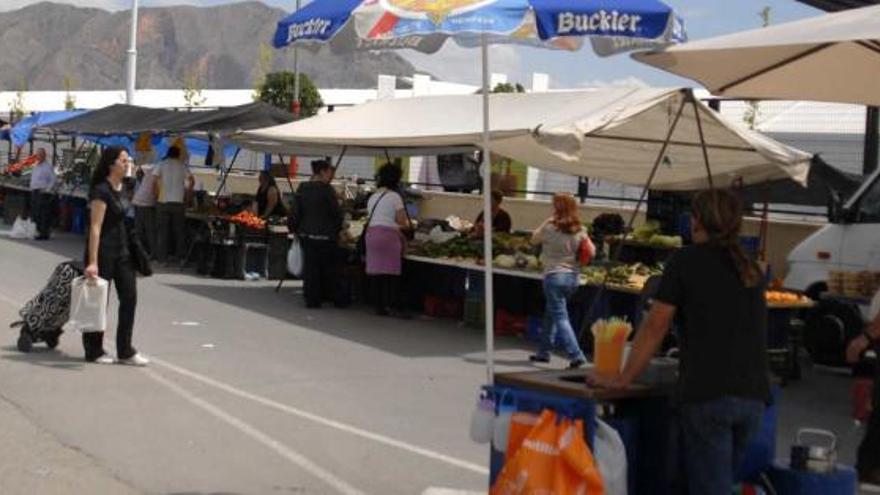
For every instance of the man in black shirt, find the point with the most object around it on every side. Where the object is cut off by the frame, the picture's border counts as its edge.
(718, 294)
(317, 221)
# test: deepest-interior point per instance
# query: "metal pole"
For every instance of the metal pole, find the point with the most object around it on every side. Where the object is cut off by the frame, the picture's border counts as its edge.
(585, 327)
(131, 72)
(296, 86)
(487, 220)
(872, 137)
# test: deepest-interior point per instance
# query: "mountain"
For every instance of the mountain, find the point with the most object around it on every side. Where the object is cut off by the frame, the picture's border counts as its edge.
(44, 43)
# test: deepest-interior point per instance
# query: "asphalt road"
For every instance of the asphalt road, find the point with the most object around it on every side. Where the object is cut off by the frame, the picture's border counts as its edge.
(251, 393)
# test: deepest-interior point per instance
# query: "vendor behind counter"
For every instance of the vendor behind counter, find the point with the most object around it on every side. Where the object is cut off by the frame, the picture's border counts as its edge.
(501, 221)
(268, 198)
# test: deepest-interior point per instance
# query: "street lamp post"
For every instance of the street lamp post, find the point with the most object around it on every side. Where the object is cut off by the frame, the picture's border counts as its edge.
(131, 62)
(296, 86)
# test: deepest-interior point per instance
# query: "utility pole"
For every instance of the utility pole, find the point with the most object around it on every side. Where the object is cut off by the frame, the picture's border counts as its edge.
(131, 62)
(296, 86)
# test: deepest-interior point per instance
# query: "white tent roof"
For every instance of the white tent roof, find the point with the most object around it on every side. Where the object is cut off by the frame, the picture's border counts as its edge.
(832, 57)
(610, 133)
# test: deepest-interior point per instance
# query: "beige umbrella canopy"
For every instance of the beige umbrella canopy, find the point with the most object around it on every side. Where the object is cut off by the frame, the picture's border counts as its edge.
(833, 57)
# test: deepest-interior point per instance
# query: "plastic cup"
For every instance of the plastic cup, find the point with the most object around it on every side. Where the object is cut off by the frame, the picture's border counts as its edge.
(608, 355)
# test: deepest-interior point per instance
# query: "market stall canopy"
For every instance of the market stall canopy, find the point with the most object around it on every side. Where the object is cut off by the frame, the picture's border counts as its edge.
(823, 181)
(610, 133)
(832, 57)
(130, 120)
(23, 130)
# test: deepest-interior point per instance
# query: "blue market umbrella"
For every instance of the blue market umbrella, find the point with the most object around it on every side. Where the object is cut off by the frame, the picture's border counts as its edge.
(613, 26)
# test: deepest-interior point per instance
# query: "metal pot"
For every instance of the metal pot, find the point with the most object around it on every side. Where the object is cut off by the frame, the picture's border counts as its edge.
(815, 458)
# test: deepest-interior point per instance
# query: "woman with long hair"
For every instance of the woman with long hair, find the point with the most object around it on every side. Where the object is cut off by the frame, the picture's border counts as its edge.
(108, 257)
(268, 201)
(560, 236)
(385, 240)
(724, 384)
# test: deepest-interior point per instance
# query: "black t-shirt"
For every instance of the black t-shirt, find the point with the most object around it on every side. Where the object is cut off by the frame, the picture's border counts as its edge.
(114, 240)
(501, 222)
(722, 324)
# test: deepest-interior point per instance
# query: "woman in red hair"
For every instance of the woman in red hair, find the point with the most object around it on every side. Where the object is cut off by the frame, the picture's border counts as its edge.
(561, 237)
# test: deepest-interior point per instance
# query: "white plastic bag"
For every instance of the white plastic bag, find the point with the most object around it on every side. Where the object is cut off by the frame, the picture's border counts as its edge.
(295, 258)
(30, 229)
(611, 458)
(19, 229)
(88, 305)
(482, 421)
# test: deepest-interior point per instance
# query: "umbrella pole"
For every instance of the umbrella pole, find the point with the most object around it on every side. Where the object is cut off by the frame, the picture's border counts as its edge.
(487, 220)
(585, 326)
(702, 140)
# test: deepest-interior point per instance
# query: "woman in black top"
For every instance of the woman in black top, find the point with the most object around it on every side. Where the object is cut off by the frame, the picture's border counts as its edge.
(717, 292)
(107, 256)
(268, 202)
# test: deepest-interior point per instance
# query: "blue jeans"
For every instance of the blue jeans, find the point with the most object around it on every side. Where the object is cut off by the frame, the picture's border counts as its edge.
(558, 287)
(715, 435)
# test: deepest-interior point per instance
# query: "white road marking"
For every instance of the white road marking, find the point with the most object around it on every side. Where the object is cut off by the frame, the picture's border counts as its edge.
(257, 435)
(337, 425)
(12, 302)
(353, 430)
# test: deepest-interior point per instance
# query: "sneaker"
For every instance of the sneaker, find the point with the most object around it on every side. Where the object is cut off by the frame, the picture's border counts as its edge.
(537, 358)
(577, 363)
(136, 360)
(105, 359)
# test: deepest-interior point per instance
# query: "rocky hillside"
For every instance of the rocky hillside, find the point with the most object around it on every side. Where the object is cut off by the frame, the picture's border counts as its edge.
(45, 43)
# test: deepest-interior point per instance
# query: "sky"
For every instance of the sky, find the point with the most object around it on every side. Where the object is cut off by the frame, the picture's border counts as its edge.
(703, 18)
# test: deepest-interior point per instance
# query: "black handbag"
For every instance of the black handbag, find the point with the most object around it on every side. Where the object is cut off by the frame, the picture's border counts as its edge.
(138, 253)
(360, 248)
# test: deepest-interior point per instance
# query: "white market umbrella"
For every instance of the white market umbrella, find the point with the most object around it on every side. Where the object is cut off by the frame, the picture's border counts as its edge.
(831, 57)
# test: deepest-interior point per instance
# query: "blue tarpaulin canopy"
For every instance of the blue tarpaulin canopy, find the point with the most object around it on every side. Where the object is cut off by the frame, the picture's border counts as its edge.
(22, 131)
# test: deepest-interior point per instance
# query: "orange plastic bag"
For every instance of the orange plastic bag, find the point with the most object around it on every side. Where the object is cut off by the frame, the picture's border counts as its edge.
(553, 459)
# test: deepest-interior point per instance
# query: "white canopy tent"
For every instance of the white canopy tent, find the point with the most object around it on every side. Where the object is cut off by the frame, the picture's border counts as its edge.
(616, 134)
(832, 57)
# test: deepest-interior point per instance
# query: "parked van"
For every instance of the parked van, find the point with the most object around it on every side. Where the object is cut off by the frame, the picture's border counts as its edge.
(849, 242)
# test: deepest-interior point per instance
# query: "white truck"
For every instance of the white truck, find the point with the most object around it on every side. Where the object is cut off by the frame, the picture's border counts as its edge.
(849, 242)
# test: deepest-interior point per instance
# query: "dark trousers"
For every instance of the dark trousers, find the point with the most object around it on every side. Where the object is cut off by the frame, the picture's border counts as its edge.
(320, 271)
(386, 292)
(120, 272)
(715, 435)
(869, 450)
(145, 226)
(42, 212)
(171, 221)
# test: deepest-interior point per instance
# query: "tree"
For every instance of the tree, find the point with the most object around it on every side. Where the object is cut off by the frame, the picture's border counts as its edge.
(264, 66)
(192, 89)
(69, 99)
(753, 108)
(16, 106)
(277, 90)
(509, 88)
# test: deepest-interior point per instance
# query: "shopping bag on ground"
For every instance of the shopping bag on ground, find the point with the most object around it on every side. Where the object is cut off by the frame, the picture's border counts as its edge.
(20, 229)
(295, 258)
(553, 459)
(88, 305)
(611, 458)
